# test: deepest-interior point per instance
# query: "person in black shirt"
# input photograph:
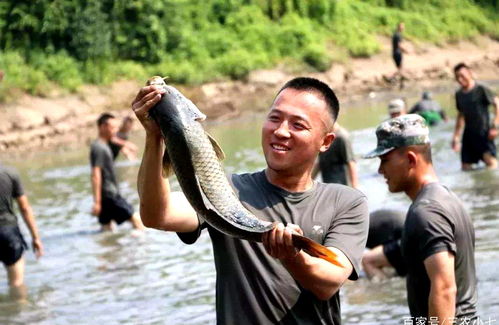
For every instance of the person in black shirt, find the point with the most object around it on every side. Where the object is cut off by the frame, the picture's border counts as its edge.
(337, 164)
(472, 102)
(438, 240)
(12, 244)
(397, 50)
(108, 204)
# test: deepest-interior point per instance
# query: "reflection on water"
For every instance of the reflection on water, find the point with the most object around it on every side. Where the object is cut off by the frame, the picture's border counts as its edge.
(89, 277)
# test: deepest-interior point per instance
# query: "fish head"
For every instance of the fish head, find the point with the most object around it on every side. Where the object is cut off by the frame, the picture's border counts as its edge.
(156, 81)
(186, 110)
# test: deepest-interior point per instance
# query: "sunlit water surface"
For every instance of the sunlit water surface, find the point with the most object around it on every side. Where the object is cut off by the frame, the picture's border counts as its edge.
(87, 277)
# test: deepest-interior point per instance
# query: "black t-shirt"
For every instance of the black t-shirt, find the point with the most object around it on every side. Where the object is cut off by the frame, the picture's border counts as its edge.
(10, 188)
(436, 222)
(116, 148)
(102, 156)
(396, 39)
(384, 225)
(253, 287)
(474, 105)
(333, 162)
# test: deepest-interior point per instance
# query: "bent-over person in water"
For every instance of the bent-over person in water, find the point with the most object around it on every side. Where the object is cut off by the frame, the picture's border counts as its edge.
(383, 252)
(438, 241)
(271, 282)
(12, 244)
(108, 205)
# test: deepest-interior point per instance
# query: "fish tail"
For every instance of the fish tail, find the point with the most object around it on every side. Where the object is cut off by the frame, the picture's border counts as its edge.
(315, 249)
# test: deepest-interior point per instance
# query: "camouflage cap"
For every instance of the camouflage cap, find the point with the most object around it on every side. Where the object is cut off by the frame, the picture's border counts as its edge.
(401, 131)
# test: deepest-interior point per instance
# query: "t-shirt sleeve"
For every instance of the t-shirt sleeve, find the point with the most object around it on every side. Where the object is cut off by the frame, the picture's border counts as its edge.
(349, 156)
(17, 188)
(191, 237)
(97, 157)
(434, 231)
(348, 232)
(489, 95)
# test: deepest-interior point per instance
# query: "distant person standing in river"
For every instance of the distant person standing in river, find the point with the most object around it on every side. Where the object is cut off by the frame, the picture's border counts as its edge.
(438, 240)
(397, 49)
(429, 109)
(337, 164)
(108, 205)
(472, 102)
(12, 244)
(120, 143)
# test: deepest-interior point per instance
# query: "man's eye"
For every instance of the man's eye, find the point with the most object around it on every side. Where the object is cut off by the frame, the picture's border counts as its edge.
(300, 126)
(273, 118)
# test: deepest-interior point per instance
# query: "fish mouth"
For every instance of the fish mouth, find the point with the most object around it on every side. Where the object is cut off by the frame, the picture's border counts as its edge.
(279, 147)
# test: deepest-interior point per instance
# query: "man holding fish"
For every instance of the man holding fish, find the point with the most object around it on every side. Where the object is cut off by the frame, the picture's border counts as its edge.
(273, 281)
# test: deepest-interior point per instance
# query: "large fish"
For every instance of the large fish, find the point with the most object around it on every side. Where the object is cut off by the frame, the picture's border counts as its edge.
(195, 158)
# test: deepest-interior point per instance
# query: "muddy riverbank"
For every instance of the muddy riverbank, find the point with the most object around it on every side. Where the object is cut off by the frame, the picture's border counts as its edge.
(33, 122)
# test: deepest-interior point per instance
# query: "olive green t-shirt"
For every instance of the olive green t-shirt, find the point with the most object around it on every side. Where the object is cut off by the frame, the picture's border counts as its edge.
(253, 287)
(436, 222)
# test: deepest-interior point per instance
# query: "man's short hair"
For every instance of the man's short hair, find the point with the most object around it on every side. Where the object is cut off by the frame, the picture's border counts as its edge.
(459, 66)
(103, 118)
(312, 84)
(423, 149)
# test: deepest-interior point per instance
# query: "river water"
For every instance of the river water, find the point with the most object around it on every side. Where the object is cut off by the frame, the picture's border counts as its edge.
(87, 277)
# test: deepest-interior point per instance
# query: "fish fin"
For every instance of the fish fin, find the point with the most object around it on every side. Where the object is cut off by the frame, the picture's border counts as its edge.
(315, 249)
(216, 147)
(167, 165)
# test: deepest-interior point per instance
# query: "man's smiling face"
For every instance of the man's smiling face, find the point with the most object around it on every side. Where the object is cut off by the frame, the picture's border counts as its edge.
(295, 130)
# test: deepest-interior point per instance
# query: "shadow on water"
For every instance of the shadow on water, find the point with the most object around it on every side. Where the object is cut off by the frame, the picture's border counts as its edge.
(89, 277)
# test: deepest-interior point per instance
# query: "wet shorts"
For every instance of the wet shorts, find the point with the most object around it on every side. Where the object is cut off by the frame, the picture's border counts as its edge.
(393, 253)
(116, 209)
(474, 145)
(12, 244)
(397, 57)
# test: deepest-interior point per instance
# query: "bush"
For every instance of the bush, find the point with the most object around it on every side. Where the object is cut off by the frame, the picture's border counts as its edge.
(59, 68)
(317, 57)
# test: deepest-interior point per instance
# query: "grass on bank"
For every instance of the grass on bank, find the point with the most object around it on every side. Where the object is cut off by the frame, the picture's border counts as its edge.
(245, 37)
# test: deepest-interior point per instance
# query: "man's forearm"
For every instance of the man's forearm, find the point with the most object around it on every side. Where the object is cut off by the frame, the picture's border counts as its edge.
(152, 187)
(459, 126)
(496, 116)
(29, 219)
(320, 277)
(96, 187)
(441, 304)
(352, 172)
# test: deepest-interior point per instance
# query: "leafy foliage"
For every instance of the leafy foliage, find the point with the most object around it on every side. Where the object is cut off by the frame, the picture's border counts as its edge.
(70, 42)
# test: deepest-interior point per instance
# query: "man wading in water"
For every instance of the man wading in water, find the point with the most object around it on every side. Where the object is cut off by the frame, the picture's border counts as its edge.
(271, 282)
(472, 102)
(438, 240)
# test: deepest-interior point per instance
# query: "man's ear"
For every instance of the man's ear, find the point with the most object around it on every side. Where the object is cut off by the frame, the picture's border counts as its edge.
(412, 157)
(327, 141)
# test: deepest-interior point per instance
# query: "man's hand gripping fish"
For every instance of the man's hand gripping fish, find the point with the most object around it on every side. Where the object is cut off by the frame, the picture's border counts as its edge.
(195, 158)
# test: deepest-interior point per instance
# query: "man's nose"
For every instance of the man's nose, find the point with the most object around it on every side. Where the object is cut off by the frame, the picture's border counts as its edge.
(380, 170)
(283, 130)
